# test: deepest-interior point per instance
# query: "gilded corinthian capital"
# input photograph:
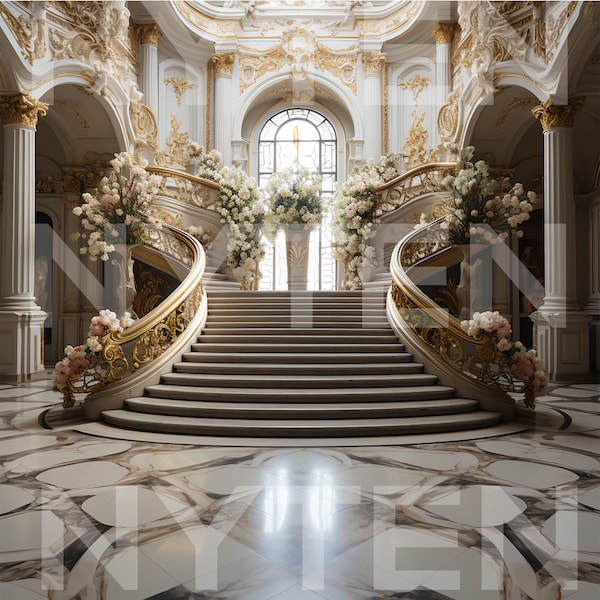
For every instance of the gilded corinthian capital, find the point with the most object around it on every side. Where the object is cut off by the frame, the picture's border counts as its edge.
(223, 63)
(553, 115)
(373, 62)
(443, 32)
(20, 109)
(149, 34)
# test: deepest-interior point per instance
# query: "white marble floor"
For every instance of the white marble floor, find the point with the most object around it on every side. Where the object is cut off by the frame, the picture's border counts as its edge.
(509, 516)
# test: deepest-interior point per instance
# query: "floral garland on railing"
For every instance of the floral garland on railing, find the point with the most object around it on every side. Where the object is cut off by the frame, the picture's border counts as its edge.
(524, 364)
(120, 210)
(356, 214)
(80, 359)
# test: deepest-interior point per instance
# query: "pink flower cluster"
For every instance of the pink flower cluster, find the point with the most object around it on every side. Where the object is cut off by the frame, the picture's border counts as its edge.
(524, 364)
(79, 359)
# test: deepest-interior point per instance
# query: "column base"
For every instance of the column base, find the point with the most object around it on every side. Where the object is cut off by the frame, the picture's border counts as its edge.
(563, 343)
(21, 341)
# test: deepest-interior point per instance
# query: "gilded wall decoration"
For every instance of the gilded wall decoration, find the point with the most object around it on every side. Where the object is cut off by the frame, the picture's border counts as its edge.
(414, 153)
(417, 83)
(300, 51)
(449, 116)
(21, 30)
(144, 124)
(177, 153)
(384, 27)
(180, 86)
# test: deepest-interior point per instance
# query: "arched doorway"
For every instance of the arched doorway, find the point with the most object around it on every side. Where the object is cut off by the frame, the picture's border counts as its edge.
(306, 136)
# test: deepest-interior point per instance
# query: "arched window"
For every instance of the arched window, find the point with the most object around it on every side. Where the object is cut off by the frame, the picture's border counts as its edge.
(306, 136)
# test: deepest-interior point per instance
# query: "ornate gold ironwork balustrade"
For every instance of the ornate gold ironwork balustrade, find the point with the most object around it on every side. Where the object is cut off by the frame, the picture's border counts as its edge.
(130, 352)
(185, 187)
(474, 360)
(413, 183)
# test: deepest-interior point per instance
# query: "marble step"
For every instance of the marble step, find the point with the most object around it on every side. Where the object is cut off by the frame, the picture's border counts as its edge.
(354, 410)
(249, 394)
(296, 323)
(296, 347)
(298, 428)
(297, 382)
(211, 330)
(291, 337)
(276, 368)
(303, 358)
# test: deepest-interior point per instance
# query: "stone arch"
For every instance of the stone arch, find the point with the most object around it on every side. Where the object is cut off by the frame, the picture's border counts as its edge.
(274, 95)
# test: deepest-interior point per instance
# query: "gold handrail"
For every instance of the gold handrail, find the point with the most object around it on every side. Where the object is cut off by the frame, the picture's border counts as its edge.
(193, 190)
(169, 172)
(475, 359)
(124, 353)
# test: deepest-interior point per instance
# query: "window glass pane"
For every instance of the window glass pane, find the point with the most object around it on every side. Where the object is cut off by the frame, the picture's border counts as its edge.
(306, 136)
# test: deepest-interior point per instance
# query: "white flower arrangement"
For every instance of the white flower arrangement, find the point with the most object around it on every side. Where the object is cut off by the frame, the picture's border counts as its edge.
(120, 210)
(293, 197)
(356, 214)
(524, 364)
(482, 207)
(204, 164)
(204, 236)
(242, 210)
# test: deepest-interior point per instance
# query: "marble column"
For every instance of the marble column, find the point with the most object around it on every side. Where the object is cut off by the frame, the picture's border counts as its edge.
(562, 328)
(21, 319)
(443, 34)
(222, 126)
(592, 307)
(148, 78)
(373, 65)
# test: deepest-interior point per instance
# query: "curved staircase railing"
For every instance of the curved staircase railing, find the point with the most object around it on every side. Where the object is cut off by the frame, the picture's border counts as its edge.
(135, 357)
(413, 183)
(186, 187)
(473, 365)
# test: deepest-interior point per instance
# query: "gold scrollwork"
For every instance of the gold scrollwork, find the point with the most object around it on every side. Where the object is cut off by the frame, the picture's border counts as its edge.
(223, 63)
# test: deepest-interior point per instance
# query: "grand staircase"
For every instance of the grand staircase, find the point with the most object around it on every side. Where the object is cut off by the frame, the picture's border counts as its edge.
(298, 365)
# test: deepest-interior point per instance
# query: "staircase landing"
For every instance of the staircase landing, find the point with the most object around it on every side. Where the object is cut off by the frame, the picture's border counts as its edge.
(299, 365)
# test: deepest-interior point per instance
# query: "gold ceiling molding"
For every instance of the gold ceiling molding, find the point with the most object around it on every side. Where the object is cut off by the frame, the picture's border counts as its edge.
(417, 83)
(21, 109)
(73, 110)
(390, 24)
(300, 51)
(513, 105)
(149, 34)
(180, 86)
(554, 115)
(222, 63)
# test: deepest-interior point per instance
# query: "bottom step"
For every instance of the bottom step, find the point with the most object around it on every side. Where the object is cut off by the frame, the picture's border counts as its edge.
(300, 428)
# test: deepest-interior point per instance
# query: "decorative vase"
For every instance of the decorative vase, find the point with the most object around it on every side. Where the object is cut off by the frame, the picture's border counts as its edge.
(297, 238)
(475, 283)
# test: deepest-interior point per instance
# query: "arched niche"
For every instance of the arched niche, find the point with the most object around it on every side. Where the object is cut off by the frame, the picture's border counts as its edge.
(277, 94)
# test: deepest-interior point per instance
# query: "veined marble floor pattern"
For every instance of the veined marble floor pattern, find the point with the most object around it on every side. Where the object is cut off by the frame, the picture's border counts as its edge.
(509, 517)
